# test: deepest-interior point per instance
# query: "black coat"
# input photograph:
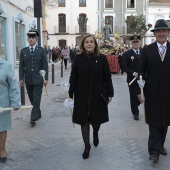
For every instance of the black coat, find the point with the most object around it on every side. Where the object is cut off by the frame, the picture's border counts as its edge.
(157, 86)
(30, 66)
(130, 64)
(89, 77)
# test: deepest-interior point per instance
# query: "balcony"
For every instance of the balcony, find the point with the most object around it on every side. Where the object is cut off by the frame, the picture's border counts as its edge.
(77, 29)
(61, 30)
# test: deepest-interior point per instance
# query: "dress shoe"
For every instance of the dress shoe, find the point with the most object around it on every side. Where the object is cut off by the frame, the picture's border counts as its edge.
(95, 139)
(3, 160)
(32, 122)
(163, 151)
(154, 158)
(86, 152)
(136, 117)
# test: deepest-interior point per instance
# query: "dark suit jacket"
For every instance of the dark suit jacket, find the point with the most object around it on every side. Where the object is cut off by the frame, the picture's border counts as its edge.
(130, 63)
(30, 66)
(157, 86)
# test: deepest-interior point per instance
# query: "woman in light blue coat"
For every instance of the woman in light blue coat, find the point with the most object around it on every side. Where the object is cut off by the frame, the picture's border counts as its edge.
(9, 97)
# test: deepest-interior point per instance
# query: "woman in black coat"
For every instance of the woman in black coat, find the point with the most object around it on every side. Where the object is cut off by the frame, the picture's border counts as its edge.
(90, 76)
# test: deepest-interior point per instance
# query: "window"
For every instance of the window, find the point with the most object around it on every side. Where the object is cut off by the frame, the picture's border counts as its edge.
(82, 21)
(82, 3)
(108, 3)
(62, 23)
(19, 37)
(61, 3)
(130, 3)
(2, 39)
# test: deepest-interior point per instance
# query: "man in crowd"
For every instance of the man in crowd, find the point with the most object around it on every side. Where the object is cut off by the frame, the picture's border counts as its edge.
(155, 70)
(32, 60)
(131, 66)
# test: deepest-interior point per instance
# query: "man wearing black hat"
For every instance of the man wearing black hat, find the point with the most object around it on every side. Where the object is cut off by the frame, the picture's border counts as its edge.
(130, 66)
(32, 60)
(155, 70)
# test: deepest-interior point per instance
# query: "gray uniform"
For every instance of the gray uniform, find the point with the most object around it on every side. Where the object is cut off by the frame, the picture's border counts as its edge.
(29, 70)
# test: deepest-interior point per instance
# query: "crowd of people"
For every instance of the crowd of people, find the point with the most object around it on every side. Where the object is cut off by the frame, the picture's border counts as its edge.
(66, 54)
(91, 85)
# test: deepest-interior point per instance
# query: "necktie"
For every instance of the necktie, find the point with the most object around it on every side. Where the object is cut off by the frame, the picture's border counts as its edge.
(162, 50)
(137, 53)
(32, 51)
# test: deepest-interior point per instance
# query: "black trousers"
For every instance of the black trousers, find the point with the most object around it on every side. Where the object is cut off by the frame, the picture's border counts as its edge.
(156, 139)
(65, 63)
(34, 94)
(134, 102)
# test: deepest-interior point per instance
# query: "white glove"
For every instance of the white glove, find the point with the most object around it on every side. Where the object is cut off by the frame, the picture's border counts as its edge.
(135, 74)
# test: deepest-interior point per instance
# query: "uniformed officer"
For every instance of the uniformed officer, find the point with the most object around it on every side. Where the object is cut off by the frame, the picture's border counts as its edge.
(32, 60)
(131, 66)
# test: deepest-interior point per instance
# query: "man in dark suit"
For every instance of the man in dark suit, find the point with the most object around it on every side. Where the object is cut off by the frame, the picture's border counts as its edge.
(131, 66)
(155, 70)
(32, 60)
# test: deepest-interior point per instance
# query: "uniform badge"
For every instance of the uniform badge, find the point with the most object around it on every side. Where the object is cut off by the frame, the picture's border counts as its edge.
(96, 61)
(132, 57)
(25, 55)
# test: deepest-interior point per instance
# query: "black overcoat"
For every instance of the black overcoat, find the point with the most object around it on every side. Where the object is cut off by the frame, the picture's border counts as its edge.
(157, 86)
(89, 77)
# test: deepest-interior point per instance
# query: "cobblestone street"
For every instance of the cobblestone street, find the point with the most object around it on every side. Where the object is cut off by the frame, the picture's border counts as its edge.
(53, 144)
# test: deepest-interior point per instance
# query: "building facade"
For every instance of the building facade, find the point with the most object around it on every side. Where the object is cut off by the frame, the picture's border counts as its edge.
(16, 19)
(62, 21)
(66, 22)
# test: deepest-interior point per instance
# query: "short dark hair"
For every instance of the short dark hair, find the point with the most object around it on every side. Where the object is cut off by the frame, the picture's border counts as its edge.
(82, 49)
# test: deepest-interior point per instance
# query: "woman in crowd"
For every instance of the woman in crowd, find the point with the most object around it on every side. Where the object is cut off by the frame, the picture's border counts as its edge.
(65, 52)
(90, 77)
(9, 97)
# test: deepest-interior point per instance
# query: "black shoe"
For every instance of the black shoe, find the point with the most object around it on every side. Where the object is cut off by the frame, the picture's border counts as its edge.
(95, 139)
(3, 160)
(86, 152)
(136, 117)
(163, 151)
(32, 123)
(154, 158)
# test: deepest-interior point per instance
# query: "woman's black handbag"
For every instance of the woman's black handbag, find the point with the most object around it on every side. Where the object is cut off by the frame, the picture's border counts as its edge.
(105, 97)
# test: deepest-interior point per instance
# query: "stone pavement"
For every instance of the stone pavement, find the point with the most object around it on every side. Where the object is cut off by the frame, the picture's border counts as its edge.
(53, 144)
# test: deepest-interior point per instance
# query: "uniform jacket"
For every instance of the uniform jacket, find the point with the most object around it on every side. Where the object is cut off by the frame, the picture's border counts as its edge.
(89, 77)
(30, 66)
(157, 86)
(130, 64)
(9, 96)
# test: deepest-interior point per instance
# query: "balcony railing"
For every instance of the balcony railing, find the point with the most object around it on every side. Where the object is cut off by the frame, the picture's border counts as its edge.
(61, 30)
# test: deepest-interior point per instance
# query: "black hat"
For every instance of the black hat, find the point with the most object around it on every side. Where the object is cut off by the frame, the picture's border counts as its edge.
(160, 25)
(33, 33)
(135, 38)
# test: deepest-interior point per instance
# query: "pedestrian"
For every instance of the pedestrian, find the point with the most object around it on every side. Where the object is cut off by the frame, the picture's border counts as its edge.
(120, 58)
(49, 54)
(32, 60)
(72, 55)
(65, 53)
(54, 55)
(131, 59)
(9, 97)
(155, 70)
(90, 77)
